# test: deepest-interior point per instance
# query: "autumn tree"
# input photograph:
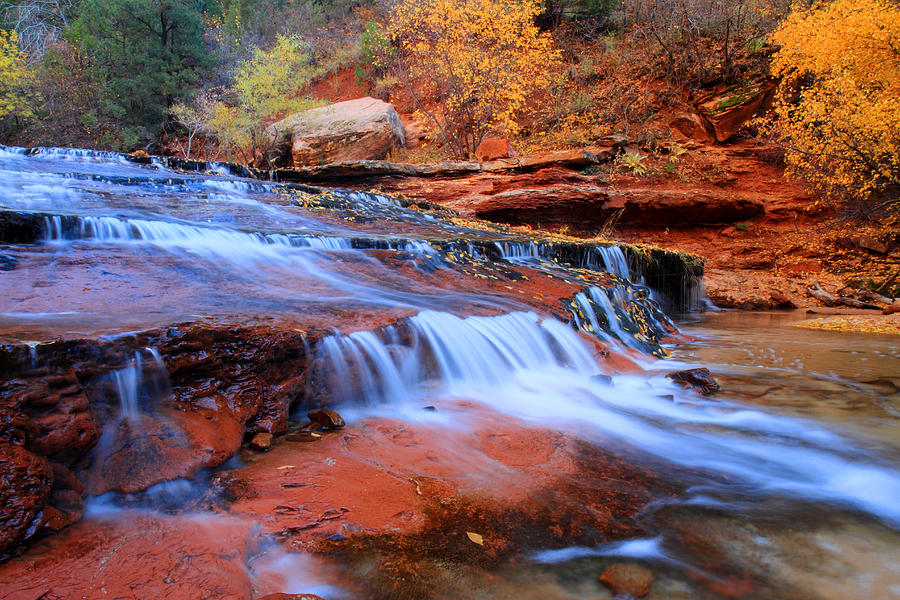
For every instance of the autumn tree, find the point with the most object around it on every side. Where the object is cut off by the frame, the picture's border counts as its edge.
(13, 78)
(266, 87)
(478, 60)
(838, 113)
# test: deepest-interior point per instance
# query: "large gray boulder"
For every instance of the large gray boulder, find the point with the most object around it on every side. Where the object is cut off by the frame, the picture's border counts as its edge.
(361, 129)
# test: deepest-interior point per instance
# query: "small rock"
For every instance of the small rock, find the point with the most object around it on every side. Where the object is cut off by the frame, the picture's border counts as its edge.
(781, 299)
(627, 578)
(699, 379)
(261, 441)
(893, 308)
(327, 418)
(601, 378)
(431, 408)
(867, 242)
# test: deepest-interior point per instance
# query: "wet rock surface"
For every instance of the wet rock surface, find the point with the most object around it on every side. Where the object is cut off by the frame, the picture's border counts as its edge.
(140, 350)
(699, 379)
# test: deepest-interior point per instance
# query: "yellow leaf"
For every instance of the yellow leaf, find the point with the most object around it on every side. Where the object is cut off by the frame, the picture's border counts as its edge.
(475, 538)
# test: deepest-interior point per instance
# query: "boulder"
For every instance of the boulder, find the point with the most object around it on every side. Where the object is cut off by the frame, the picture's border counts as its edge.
(728, 110)
(494, 148)
(693, 126)
(362, 129)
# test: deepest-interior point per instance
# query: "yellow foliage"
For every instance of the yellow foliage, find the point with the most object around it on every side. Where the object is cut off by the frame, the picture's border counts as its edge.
(882, 325)
(13, 77)
(839, 110)
(480, 60)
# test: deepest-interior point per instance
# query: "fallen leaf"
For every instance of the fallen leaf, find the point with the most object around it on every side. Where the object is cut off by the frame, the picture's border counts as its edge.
(281, 468)
(475, 538)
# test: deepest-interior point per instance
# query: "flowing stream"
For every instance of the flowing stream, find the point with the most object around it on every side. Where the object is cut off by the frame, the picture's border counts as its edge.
(784, 485)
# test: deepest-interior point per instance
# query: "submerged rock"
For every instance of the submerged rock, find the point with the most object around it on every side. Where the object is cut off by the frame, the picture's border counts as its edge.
(699, 379)
(326, 418)
(627, 578)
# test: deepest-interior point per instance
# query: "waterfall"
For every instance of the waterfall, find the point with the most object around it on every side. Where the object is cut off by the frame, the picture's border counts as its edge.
(141, 384)
(395, 363)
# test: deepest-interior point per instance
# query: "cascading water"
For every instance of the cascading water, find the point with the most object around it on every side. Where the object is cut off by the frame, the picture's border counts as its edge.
(356, 302)
(141, 384)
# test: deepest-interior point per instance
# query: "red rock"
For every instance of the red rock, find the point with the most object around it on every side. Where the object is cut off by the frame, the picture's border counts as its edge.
(802, 267)
(781, 299)
(494, 148)
(25, 483)
(867, 242)
(693, 126)
(726, 112)
(628, 578)
(262, 441)
(326, 418)
(892, 309)
(137, 555)
(154, 449)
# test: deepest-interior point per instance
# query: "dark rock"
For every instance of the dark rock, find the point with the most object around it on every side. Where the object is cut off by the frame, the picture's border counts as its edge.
(628, 578)
(327, 418)
(601, 378)
(699, 379)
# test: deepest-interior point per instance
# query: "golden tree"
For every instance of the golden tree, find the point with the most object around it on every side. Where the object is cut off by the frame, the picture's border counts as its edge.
(13, 77)
(478, 60)
(839, 110)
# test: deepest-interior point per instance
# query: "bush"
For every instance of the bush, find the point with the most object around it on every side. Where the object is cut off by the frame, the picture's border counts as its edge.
(837, 113)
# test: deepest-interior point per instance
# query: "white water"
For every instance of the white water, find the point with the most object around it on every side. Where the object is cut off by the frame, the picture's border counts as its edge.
(540, 370)
(138, 381)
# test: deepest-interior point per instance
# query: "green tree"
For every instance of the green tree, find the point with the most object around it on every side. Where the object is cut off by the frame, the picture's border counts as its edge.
(148, 54)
